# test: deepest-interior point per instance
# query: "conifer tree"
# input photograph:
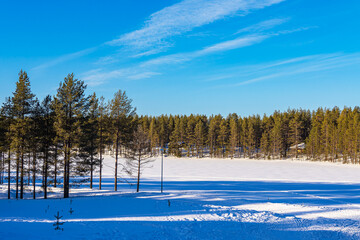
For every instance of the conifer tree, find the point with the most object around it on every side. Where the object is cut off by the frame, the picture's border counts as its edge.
(234, 134)
(70, 104)
(267, 126)
(22, 106)
(46, 138)
(200, 136)
(296, 126)
(7, 114)
(121, 112)
(175, 144)
(89, 140)
(103, 139)
(153, 135)
(223, 137)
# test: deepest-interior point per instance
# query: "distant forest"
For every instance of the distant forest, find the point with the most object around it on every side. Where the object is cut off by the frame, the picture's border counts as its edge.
(67, 135)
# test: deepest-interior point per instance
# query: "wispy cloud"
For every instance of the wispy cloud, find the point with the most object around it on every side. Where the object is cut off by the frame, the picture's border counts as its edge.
(141, 70)
(184, 17)
(264, 25)
(143, 75)
(219, 47)
(177, 19)
(240, 42)
(99, 76)
(64, 58)
(291, 67)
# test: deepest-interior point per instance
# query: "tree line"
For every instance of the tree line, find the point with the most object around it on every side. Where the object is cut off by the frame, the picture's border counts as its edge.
(61, 140)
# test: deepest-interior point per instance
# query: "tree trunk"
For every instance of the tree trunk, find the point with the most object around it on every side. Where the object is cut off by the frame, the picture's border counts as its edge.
(9, 173)
(34, 175)
(29, 172)
(22, 177)
(116, 161)
(138, 177)
(91, 170)
(66, 195)
(100, 177)
(45, 172)
(55, 167)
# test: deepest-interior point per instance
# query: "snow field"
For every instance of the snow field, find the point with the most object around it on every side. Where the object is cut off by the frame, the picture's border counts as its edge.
(203, 199)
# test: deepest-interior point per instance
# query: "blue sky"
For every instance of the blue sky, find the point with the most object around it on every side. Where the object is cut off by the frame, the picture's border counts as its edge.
(190, 56)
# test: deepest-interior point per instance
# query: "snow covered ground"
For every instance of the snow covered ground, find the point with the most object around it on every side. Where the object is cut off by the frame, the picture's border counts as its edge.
(203, 199)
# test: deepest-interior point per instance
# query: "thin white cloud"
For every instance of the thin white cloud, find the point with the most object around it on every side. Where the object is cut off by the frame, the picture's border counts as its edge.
(98, 76)
(240, 42)
(141, 70)
(295, 67)
(233, 44)
(64, 58)
(184, 17)
(143, 75)
(264, 25)
(219, 47)
(174, 20)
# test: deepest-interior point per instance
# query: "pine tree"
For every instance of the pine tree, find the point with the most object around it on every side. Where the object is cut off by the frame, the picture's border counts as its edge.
(234, 134)
(103, 139)
(22, 106)
(267, 125)
(200, 136)
(7, 113)
(296, 127)
(121, 112)
(153, 135)
(223, 137)
(190, 135)
(175, 144)
(46, 138)
(70, 104)
(214, 123)
(89, 140)
(34, 143)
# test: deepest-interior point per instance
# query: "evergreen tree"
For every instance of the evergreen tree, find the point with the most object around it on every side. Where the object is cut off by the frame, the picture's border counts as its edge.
(22, 103)
(89, 140)
(103, 139)
(175, 144)
(7, 115)
(234, 134)
(121, 112)
(200, 136)
(223, 137)
(70, 104)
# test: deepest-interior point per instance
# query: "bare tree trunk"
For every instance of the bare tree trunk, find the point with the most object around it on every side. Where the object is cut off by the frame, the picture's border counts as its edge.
(22, 177)
(65, 171)
(138, 177)
(29, 172)
(91, 170)
(34, 175)
(17, 175)
(100, 161)
(45, 172)
(55, 167)
(116, 161)
(68, 172)
(9, 173)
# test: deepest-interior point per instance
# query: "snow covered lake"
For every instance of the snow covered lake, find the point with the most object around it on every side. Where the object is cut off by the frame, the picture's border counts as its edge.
(202, 199)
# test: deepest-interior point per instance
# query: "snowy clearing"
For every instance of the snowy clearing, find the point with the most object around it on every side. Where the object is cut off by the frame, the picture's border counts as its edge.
(203, 199)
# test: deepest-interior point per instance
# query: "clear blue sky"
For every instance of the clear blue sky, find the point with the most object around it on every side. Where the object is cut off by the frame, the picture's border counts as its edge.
(190, 56)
